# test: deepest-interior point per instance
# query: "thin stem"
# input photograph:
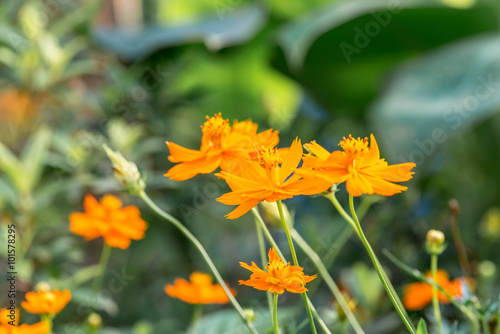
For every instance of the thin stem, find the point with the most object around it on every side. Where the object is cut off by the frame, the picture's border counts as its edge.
(328, 279)
(381, 272)
(278, 250)
(197, 313)
(474, 322)
(435, 301)
(204, 254)
(48, 318)
(263, 260)
(268, 235)
(296, 262)
(459, 245)
(103, 262)
(275, 315)
(287, 231)
(342, 212)
(315, 313)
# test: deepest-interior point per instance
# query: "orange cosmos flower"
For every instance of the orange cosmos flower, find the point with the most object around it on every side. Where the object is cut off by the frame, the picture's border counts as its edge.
(358, 165)
(109, 220)
(418, 295)
(10, 326)
(46, 302)
(271, 178)
(221, 146)
(199, 290)
(41, 327)
(279, 276)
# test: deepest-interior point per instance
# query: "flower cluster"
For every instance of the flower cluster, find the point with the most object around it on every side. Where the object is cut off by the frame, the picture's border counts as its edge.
(222, 145)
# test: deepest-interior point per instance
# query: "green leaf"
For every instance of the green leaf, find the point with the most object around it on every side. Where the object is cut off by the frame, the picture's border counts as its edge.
(342, 52)
(422, 327)
(33, 156)
(434, 98)
(216, 33)
(12, 167)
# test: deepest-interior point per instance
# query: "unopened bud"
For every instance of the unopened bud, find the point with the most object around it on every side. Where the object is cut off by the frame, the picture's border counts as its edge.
(250, 313)
(434, 242)
(454, 207)
(94, 320)
(43, 286)
(125, 171)
(271, 213)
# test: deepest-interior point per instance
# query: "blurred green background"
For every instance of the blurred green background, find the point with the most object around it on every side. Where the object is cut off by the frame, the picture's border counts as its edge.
(422, 76)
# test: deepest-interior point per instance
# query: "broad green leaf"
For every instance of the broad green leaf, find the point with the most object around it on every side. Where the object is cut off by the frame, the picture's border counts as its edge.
(33, 156)
(422, 327)
(237, 27)
(434, 98)
(342, 52)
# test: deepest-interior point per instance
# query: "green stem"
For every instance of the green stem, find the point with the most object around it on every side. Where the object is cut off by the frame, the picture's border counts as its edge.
(381, 272)
(275, 315)
(204, 254)
(263, 260)
(103, 262)
(328, 279)
(435, 301)
(474, 322)
(271, 240)
(296, 263)
(197, 313)
(342, 212)
(48, 318)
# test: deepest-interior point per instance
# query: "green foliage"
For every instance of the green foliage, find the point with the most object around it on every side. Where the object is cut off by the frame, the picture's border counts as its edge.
(422, 327)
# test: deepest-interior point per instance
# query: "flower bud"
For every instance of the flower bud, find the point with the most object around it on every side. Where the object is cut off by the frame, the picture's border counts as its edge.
(454, 207)
(250, 313)
(42, 286)
(271, 213)
(434, 242)
(125, 171)
(94, 320)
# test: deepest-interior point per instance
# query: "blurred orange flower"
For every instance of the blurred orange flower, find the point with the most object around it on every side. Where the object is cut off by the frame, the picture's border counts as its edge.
(418, 295)
(41, 327)
(109, 220)
(271, 178)
(7, 315)
(279, 276)
(17, 106)
(199, 290)
(221, 146)
(46, 302)
(358, 165)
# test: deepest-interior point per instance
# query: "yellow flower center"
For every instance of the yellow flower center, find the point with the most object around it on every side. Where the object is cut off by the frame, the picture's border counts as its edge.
(269, 158)
(215, 129)
(355, 147)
